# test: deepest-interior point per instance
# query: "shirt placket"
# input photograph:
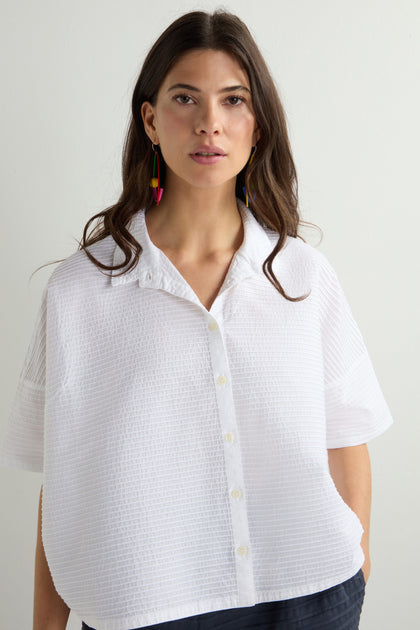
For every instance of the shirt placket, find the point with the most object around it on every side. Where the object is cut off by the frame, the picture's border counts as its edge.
(242, 550)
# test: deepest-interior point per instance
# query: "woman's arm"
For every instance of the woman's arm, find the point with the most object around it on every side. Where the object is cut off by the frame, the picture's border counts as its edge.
(50, 611)
(351, 473)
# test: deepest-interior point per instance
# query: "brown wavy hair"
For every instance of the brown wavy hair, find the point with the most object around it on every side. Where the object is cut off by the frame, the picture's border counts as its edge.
(271, 175)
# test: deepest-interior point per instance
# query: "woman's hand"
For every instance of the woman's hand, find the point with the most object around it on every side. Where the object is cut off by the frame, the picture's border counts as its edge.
(350, 471)
(50, 612)
(366, 568)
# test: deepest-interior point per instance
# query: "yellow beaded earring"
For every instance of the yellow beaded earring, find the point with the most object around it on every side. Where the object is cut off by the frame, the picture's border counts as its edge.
(254, 148)
(155, 180)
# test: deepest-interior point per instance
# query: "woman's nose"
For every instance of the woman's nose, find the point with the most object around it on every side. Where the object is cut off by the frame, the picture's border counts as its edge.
(208, 120)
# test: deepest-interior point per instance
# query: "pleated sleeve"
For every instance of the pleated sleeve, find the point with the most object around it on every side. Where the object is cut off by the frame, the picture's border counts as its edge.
(356, 410)
(23, 442)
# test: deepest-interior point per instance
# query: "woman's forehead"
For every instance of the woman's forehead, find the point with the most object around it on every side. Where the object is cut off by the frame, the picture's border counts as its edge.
(207, 66)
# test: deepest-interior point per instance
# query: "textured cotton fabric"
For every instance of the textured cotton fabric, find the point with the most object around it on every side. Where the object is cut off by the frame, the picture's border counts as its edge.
(184, 451)
(337, 608)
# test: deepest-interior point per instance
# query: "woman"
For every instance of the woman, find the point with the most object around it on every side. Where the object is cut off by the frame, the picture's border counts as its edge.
(201, 416)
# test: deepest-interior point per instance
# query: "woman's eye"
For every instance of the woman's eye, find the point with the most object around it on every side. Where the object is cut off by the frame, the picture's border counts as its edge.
(235, 100)
(184, 99)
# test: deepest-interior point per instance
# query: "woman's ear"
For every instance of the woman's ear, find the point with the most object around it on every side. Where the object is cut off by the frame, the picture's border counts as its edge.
(257, 135)
(148, 116)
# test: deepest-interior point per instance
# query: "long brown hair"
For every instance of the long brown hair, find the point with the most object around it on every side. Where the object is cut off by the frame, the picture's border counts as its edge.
(271, 176)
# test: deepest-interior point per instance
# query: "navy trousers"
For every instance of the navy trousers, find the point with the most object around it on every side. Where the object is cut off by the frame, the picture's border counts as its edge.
(336, 608)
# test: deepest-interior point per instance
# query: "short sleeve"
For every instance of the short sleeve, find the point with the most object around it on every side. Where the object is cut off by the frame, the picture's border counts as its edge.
(355, 407)
(23, 443)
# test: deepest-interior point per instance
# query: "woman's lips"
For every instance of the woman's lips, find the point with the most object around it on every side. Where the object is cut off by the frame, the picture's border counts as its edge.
(206, 159)
(207, 154)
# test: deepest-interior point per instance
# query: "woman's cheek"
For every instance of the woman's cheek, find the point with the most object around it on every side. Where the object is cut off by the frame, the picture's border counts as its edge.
(170, 121)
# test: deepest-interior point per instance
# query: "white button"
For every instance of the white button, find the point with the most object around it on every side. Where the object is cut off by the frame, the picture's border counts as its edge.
(221, 380)
(236, 494)
(213, 326)
(149, 276)
(242, 551)
(229, 437)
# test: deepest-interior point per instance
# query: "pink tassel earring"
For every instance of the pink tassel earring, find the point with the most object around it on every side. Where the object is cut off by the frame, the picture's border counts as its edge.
(155, 181)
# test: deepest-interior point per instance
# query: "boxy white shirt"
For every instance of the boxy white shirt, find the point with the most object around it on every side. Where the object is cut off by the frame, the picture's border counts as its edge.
(184, 451)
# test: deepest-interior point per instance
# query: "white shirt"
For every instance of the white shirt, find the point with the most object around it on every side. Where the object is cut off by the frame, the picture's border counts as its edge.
(184, 451)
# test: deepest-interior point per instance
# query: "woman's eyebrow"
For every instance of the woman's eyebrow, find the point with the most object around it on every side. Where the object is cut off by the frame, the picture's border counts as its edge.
(191, 88)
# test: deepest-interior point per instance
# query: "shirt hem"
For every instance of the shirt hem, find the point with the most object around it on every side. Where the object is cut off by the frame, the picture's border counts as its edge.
(361, 438)
(203, 606)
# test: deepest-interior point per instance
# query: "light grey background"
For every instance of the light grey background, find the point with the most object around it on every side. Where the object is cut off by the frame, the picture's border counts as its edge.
(348, 73)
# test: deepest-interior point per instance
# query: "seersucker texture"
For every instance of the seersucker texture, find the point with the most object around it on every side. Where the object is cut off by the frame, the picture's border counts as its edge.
(184, 450)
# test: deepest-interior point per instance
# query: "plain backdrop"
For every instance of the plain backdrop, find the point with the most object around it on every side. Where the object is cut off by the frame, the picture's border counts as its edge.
(348, 74)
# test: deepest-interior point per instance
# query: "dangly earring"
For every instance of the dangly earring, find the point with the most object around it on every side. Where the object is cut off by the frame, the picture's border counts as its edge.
(254, 148)
(155, 180)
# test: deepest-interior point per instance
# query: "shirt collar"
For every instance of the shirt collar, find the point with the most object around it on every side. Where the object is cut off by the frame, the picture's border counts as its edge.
(154, 269)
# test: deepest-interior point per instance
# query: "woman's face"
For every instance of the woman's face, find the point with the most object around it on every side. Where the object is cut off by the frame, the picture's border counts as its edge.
(203, 106)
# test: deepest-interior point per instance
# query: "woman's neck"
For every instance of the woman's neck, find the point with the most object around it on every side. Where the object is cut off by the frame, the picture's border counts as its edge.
(197, 225)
